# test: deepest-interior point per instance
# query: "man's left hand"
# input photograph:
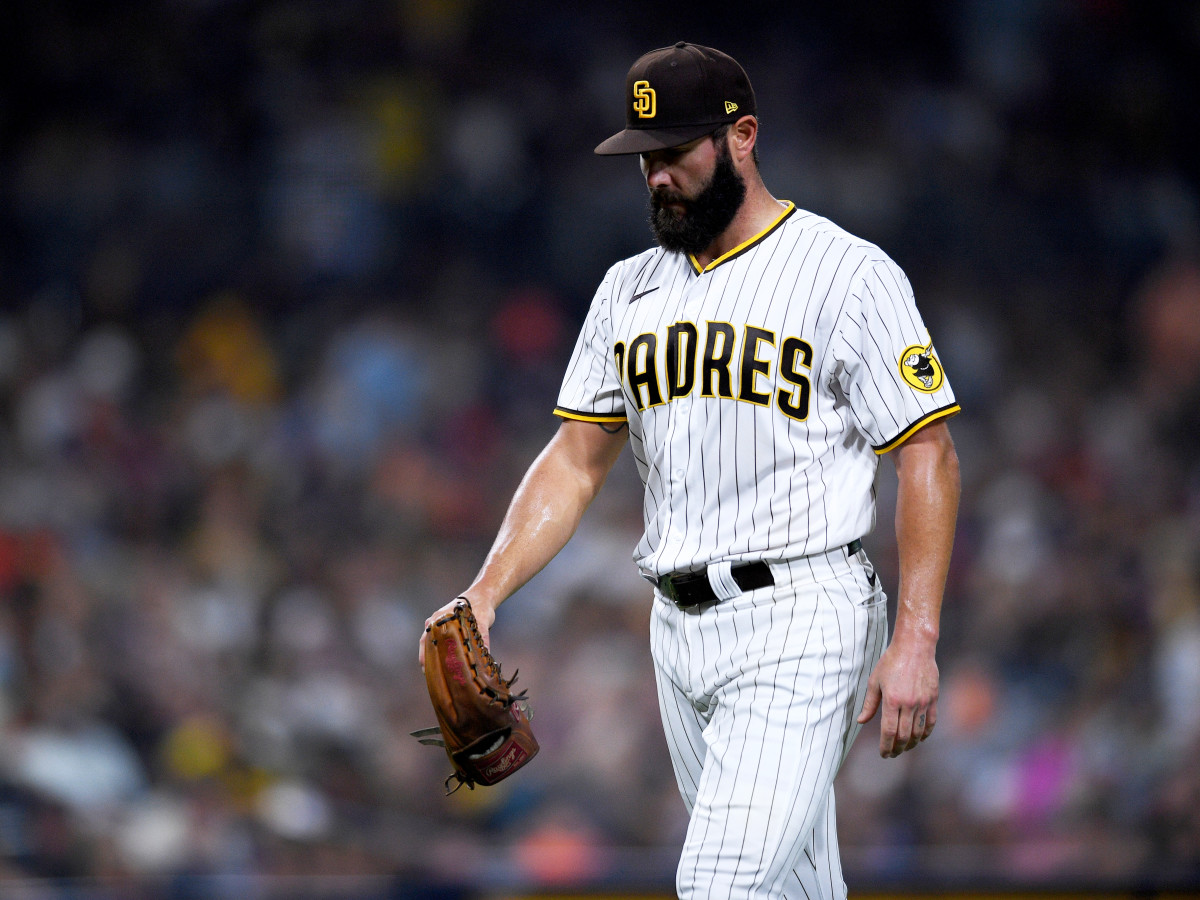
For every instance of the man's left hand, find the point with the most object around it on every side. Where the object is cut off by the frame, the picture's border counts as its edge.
(904, 685)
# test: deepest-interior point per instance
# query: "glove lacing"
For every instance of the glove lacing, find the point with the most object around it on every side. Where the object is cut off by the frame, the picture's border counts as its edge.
(493, 667)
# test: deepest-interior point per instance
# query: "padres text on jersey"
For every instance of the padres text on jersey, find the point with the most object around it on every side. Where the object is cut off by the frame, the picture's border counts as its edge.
(803, 343)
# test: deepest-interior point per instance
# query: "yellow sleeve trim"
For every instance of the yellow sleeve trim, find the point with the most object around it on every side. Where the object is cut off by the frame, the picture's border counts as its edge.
(944, 413)
(564, 413)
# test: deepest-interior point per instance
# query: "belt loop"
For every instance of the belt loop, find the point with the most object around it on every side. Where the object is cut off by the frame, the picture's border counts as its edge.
(720, 578)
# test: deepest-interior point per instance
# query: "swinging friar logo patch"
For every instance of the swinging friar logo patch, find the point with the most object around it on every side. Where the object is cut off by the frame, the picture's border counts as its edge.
(921, 369)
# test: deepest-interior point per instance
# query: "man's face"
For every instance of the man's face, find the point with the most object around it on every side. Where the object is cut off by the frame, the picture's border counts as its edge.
(695, 192)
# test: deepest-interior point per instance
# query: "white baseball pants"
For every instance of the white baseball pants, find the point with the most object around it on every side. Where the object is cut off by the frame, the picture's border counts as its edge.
(759, 695)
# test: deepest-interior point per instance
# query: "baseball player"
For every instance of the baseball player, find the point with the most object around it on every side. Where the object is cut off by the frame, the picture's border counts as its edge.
(758, 361)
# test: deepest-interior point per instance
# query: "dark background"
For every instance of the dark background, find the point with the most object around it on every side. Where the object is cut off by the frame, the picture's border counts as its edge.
(286, 290)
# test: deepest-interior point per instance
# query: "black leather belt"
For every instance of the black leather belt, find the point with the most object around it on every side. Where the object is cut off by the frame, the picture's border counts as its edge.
(689, 589)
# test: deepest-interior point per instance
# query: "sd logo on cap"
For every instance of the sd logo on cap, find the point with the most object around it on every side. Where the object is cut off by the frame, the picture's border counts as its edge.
(677, 94)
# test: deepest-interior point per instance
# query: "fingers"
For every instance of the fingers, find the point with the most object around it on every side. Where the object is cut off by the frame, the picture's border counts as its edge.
(421, 640)
(871, 704)
(428, 622)
(909, 734)
(482, 620)
(929, 720)
(904, 727)
(889, 730)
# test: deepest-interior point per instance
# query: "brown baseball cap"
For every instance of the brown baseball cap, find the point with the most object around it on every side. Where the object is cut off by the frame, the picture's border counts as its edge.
(676, 94)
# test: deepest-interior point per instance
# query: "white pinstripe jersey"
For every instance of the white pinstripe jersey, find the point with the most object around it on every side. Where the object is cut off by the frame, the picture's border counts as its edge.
(758, 390)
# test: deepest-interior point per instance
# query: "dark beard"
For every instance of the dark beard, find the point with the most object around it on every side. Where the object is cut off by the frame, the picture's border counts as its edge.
(706, 216)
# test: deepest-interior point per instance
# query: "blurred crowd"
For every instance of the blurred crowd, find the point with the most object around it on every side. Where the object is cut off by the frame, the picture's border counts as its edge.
(286, 290)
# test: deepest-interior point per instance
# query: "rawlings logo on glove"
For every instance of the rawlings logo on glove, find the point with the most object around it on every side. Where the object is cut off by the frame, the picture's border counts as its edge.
(482, 724)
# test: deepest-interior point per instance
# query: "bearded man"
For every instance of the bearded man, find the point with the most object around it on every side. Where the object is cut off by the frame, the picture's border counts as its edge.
(755, 362)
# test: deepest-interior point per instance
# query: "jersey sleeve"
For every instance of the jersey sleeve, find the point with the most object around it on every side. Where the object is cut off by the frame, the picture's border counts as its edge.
(591, 388)
(886, 363)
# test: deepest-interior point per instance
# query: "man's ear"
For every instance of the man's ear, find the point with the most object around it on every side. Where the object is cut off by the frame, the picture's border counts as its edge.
(742, 137)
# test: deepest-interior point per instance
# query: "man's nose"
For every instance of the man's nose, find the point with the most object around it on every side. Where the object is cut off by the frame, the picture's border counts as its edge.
(657, 172)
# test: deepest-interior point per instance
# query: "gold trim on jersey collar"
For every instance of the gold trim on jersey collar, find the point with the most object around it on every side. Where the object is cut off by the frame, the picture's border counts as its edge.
(745, 245)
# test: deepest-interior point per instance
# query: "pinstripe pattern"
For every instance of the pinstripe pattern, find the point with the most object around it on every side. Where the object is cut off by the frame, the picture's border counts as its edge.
(758, 393)
(729, 478)
(759, 715)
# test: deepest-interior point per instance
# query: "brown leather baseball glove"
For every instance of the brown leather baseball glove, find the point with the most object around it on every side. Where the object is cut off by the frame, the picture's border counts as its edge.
(482, 724)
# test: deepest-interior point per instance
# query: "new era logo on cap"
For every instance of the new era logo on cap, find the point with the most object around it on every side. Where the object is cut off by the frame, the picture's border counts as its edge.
(677, 94)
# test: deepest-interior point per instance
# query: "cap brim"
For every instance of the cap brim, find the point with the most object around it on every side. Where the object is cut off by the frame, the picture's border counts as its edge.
(644, 140)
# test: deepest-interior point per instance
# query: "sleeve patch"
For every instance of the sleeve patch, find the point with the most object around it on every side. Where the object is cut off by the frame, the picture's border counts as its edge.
(920, 368)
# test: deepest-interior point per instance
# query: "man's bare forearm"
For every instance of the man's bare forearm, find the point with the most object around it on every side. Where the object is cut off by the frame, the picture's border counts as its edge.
(904, 685)
(546, 509)
(926, 512)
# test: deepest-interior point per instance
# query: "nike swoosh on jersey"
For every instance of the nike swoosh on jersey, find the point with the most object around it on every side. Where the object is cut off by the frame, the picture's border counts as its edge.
(641, 294)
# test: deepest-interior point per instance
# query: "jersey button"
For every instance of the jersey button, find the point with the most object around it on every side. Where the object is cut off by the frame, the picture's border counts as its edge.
(679, 473)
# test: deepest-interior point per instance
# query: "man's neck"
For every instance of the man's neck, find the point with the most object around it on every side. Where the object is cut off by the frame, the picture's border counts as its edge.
(756, 214)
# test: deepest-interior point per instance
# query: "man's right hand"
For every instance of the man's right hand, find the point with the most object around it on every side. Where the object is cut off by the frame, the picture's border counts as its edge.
(485, 615)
